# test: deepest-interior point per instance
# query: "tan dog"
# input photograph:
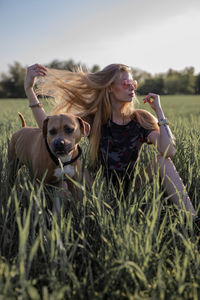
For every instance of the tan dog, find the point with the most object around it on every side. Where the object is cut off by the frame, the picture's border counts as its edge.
(53, 150)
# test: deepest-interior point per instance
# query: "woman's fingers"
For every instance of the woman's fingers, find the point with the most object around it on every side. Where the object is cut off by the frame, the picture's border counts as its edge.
(38, 73)
(37, 67)
(148, 98)
(37, 70)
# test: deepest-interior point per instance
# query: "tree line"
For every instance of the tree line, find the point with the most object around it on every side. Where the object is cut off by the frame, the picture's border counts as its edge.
(169, 83)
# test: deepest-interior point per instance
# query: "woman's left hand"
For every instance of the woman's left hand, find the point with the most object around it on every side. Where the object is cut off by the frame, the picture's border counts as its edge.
(153, 100)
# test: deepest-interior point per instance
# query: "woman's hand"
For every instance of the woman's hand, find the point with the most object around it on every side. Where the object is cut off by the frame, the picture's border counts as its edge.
(153, 100)
(32, 72)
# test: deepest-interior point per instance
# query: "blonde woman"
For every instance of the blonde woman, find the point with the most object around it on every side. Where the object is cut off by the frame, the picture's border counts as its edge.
(106, 100)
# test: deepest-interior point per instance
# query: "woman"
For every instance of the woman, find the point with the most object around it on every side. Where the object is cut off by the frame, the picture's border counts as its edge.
(106, 100)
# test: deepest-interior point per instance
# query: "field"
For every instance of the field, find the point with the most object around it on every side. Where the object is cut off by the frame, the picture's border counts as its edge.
(106, 246)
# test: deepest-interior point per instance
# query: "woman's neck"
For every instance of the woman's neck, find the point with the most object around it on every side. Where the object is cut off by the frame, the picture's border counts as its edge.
(119, 118)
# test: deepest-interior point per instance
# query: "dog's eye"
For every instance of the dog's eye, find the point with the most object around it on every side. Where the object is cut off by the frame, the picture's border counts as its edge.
(68, 130)
(53, 131)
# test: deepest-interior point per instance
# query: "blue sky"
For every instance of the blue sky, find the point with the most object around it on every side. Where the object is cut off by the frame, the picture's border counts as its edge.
(151, 35)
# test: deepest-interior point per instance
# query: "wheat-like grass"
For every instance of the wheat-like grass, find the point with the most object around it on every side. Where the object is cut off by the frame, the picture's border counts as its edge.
(107, 246)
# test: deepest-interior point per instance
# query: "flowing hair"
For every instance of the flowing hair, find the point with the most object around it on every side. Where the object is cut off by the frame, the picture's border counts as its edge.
(87, 95)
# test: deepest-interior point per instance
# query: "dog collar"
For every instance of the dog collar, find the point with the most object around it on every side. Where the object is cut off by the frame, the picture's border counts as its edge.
(55, 159)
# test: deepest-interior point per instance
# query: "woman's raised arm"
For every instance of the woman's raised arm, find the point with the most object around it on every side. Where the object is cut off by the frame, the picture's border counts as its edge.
(33, 72)
(164, 140)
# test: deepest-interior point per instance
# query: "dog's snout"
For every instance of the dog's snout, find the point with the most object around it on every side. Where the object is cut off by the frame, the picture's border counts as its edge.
(59, 143)
(60, 146)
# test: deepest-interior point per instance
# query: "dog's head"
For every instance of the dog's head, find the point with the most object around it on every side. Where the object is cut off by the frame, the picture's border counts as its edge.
(63, 132)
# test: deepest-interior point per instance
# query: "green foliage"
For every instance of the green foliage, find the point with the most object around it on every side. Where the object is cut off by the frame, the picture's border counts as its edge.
(180, 82)
(105, 246)
(69, 65)
(197, 84)
(12, 85)
(153, 85)
(173, 82)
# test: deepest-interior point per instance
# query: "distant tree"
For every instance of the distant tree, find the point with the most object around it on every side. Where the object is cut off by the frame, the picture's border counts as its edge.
(56, 64)
(68, 65)
(171, 84)
(172, 72)
(140, 75)
(95, 68)
(153, 85)
(187, 81)
(180, 82)
(12, 85)
(197, 84)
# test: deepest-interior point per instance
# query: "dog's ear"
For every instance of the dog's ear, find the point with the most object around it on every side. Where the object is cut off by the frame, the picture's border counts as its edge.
(84, 126)
(44, 128)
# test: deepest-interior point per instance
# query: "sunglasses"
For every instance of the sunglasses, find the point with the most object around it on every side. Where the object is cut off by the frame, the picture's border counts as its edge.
(127, 83)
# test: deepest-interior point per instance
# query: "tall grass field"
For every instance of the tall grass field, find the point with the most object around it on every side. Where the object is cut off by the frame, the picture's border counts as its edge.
(107, 245)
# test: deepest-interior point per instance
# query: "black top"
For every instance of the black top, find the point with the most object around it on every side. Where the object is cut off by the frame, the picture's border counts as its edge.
(120, 145)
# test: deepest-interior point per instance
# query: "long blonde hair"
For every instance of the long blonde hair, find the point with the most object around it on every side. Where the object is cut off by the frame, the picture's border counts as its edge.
(87, 95)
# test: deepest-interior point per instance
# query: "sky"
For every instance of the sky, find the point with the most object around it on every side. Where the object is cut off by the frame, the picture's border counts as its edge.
(150, 35)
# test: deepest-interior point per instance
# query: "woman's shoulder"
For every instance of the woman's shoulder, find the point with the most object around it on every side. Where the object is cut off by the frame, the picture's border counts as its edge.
(145, 119)
(137, 113)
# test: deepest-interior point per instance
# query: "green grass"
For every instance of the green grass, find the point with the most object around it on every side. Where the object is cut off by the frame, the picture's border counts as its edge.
(106, 246)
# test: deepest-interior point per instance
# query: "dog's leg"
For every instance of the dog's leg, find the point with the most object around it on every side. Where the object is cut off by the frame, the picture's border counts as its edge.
(13, 167)
(13, 163)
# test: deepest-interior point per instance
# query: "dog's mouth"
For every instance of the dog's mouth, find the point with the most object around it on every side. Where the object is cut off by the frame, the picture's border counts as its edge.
(60, 148)
(61, 152)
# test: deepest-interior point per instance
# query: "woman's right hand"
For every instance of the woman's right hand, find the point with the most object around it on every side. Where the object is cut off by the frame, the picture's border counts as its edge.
(32, 72)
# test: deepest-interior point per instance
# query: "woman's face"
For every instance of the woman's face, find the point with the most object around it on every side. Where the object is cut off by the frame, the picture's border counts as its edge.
(123, 88)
